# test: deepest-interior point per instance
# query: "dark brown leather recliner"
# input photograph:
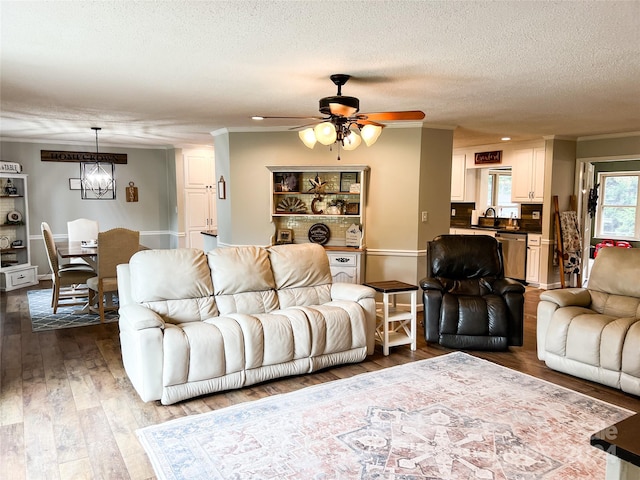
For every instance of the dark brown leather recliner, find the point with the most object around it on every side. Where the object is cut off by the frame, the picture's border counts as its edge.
(468, 304)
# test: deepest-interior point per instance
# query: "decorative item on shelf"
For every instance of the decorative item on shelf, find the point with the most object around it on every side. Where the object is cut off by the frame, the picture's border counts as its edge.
(132, 192)
(284, 235)
(16, 243)
(353, 236)
(291, 205)
(354, 188)
(317, 185)
(319, 233)
(347, 179)
(4, 242)
(289, 182)
(314, 203)
(97, 179)
(336, 207)
(10, 167)
(10, 188)
(352, 209)
(14, 218)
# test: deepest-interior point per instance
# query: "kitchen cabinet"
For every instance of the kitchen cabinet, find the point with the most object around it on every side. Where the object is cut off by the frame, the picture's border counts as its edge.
(199, 197)
(527, 175)
(458, 178)
(16, 270)
(533, 258)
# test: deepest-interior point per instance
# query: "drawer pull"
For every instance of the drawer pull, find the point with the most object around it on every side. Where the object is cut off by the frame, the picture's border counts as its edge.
(342, 259)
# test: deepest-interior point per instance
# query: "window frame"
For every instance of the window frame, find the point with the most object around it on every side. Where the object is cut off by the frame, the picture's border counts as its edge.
(598, 219)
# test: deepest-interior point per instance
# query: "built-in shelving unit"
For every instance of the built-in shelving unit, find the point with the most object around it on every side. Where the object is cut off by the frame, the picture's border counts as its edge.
(328, 200)
(16, 270)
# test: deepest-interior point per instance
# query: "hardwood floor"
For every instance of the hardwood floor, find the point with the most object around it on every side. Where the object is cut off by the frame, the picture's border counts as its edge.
(67, 409)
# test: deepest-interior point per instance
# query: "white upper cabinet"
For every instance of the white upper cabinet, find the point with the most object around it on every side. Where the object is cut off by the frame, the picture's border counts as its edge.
(527, 178)
(199, 171)
(458, 177)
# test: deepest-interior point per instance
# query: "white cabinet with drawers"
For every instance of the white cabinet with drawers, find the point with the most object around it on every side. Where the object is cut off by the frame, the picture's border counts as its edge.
(346, 266)
(533, 258)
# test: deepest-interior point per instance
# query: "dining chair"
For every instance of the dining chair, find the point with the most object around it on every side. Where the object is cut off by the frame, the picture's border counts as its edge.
(115, 246)
(67, 278)
(82, 229)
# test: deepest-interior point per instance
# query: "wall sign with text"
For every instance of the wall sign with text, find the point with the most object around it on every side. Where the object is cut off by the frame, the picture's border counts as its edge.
(482, 158)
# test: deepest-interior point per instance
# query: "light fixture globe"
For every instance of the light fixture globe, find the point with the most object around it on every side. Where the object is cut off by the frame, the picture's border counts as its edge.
(325, 133)
(351, 141)
(308, 137)
(370, 134)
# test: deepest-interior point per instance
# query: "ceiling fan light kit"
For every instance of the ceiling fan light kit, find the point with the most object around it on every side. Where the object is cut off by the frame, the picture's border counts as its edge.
(342, 119)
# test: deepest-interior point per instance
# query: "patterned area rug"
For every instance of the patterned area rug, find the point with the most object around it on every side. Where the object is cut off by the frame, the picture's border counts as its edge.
(43, 318)
(450, 417)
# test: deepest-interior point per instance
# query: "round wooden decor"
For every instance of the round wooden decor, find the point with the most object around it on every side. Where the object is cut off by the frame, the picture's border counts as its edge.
(319, 233)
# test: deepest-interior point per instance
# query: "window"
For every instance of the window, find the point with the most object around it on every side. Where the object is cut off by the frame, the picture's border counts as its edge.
(618, 212)
(499, 193)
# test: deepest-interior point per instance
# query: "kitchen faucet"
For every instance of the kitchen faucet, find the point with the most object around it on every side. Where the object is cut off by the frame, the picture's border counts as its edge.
(495, 218)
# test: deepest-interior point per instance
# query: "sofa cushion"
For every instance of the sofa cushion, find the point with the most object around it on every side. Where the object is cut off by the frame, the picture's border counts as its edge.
(300, 265)
(301, 273)
(169, 275)
(612, 269)
(176, 284)
(240, 269)
(242, 280)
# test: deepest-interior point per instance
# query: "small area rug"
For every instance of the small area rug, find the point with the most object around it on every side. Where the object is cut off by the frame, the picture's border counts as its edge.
(450, 417)
(43, 318)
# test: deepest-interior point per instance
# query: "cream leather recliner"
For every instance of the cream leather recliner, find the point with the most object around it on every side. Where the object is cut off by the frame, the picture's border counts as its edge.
(594, 332)
(193, 323)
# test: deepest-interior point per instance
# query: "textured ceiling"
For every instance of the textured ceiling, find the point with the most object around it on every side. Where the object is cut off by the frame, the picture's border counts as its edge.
(170, 72)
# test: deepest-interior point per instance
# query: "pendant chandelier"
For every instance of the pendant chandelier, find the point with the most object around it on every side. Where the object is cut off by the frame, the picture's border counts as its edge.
(97, 179)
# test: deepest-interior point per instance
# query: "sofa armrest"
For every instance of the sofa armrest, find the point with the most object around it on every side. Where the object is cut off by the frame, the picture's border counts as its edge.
(568, 297)
(428, 283)
(502, 286)
(351, 291)
(366, 297)
(134, 317)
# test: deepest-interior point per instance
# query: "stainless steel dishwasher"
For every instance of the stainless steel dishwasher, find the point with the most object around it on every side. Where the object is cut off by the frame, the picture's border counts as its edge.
(514, 253)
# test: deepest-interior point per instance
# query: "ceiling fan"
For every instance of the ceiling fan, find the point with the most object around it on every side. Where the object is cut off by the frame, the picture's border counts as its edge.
(342, 118)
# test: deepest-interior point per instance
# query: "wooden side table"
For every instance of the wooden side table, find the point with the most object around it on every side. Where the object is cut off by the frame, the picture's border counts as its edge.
(393, 326)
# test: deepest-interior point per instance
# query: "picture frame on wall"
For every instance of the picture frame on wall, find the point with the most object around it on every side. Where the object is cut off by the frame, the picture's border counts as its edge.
(347, 179)
(74, 184)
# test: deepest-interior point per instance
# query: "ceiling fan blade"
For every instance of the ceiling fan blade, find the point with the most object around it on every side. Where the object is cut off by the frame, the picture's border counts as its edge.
(314, 117)
(361, 122)
(390, 116)
(300, 127)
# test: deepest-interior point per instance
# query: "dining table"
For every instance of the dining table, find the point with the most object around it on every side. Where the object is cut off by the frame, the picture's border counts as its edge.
(89, 254)
(78, 250)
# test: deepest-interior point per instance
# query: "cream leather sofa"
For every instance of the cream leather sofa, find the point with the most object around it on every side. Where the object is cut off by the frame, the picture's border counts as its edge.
(193, 323)
(594, 332)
